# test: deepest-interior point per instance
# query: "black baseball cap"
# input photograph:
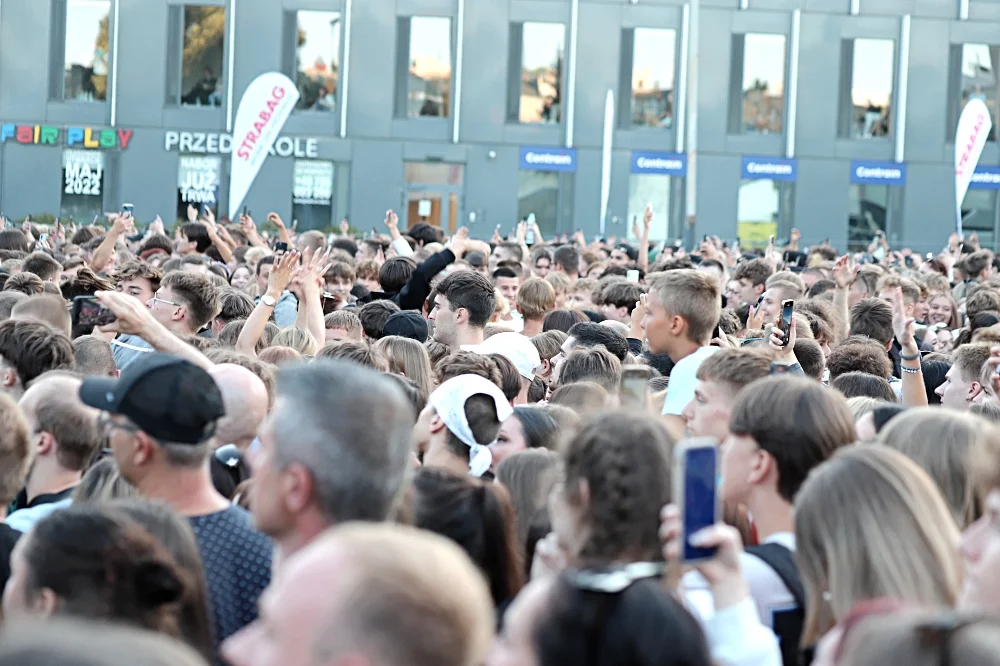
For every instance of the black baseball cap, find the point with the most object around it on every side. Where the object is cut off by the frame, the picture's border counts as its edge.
(168, 398)
(407, 324)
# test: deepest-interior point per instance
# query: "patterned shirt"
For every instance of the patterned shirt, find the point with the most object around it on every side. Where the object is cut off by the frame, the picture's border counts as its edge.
(237, 561)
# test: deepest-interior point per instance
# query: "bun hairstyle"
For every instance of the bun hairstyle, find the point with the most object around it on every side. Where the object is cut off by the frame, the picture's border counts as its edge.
(103, 565)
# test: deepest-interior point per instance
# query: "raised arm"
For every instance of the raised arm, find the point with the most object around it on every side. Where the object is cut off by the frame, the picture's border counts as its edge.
(102, 255)
(914, 392)
(281, 276)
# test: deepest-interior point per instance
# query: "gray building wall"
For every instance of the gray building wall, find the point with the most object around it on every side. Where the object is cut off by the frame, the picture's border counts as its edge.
(370, 158)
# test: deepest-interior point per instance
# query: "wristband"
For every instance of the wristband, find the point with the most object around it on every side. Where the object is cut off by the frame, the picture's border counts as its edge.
(907, 357)
(911, 371)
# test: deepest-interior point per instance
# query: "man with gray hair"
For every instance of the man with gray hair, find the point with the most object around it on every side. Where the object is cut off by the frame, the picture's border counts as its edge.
(334, 449)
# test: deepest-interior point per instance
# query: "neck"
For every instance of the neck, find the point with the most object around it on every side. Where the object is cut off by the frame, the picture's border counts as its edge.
(438, 456)
(44, 482)
(242, 443)
(189, 491)
(682, 348)
(532, 327)
(308, 527)
(771, 515)
(468, 336)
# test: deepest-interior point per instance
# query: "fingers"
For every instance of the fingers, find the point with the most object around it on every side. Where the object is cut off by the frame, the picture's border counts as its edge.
(720, 536)
(670, 531)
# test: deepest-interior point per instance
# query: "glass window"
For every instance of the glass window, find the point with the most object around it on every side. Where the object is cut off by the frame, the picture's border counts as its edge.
(649, 189)
(312, 194)
(317, 60)
(979, 80)
(83, 184)
(653, 53)
(979, 212)
(538, 195)
(199, 179)
(873, 64)
(759, 207)
(428, 87)
(763, 83)
(86, 62)
(203, 55)
(543, 52)
(868, 214)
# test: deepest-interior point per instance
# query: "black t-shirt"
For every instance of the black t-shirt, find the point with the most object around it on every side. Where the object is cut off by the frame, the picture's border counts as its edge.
(8, 537)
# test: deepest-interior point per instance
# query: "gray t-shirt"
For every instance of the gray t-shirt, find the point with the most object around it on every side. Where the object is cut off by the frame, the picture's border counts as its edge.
(127, 348)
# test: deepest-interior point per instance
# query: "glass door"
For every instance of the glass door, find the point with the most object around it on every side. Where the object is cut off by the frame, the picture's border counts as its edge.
(433, 194)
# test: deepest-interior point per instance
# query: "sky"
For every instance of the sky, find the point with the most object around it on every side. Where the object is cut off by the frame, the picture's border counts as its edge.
(322, 37)
(83, 23)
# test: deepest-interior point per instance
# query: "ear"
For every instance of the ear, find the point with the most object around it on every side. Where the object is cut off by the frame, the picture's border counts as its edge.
(437, 425)
(180, 314)
(758, 289)
(46, 444)
(975, 388)
(761, 468)
(583, 492)
(296, 488)
(623, 313)
(144, 449)
(9, 378)
(461, 316)
(546, 368)
(678, 325)
(46, 602)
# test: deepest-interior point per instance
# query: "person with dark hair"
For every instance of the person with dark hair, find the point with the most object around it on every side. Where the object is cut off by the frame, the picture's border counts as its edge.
(138, 279)
(14, 239)
(662, 363)
(42, 265)
(864, 355)
(46, 308)
(620, 299)
(424, 234)
(395, 273)
(233, 305)
(374, 316)
(566, 259)
(528, 428)
(95, 562)
(463, 305)
(810, 357)
(588, 335)
(595, 365)
(8, 299)
(563, 320)
(196, 238)
(480, 518)
(25, 283)
(510, 378)
(29, 349)
(935, 373)
(861, 384)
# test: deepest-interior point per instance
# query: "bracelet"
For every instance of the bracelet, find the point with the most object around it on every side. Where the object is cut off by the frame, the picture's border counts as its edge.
(907, 357)
(911, 371)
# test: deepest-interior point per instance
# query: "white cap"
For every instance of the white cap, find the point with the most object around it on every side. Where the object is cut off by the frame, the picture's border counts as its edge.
(449, 401)
(517, 348)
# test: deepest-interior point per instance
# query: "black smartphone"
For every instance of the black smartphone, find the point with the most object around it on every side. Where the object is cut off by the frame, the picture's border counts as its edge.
(717, 332)
(280, 247)
(246, 211)
(696, 492)
(760, 300)
(785, 325)
(88, 311)
(331, 302)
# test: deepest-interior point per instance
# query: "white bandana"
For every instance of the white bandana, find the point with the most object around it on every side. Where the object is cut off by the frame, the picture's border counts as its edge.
(449, 402)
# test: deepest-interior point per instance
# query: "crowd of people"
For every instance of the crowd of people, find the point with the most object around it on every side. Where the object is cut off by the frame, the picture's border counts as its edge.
(243, 445)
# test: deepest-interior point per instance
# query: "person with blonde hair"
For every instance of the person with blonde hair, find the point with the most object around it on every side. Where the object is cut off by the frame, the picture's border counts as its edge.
(408, 358)
(535, 299)
(299, 339)
(870, 524)
(945, 443)
(529, 476)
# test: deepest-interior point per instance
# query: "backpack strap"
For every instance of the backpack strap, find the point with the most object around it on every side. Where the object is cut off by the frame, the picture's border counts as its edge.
(782, 562)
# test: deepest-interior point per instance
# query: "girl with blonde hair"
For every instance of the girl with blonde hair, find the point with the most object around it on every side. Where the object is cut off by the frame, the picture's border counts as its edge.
(298, 339)
(410, 359)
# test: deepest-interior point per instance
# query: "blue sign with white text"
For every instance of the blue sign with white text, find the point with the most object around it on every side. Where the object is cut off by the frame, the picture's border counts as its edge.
(542, 158)
(660, 164)
(985, 178)
(878, 173)
(769, 168)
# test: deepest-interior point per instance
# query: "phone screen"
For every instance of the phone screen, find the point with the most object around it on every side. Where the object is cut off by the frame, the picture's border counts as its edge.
(787, 307)
(87, 311)
(127, 208)
(634, 387)
(280, 247)
(700, 508)
(632, 276)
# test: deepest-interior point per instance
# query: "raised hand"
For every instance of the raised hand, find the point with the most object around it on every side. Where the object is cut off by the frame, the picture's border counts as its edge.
(192, 213)
(844, 271)
(459, 242)
(276, 220)
(281, 274)
(904, 327)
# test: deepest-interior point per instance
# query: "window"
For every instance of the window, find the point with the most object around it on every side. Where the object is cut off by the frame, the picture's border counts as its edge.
(199, 179)
(643, 190)
(868, 214)
(83, 184)
(86, 55)
(317, 59)
(426, 42)
(979, 213)
(312, 194)
(868, 113)
(538, 195)
(759, 66)
(977, 79)
(538, 52)
(649, 56)
(764, 210)
(202, 56)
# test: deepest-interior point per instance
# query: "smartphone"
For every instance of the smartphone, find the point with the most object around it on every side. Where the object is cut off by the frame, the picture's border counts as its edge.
(529, 237)
(696, 492)
(280, 247)
(632, 276)
(331, 302)
(771, 240)
(635, 386)
(87, 311)
(127, 208)
(785, 325)
(246, 211)
(705, 238)
(717, 332)
(760, 300)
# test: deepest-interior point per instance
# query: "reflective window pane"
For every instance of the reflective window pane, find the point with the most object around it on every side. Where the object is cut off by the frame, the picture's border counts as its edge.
(312, 194)
(647, 189)
(758, 205)
(979, 80)
(868, 213)
(543, 53)
(83, 184)
(429, 84)
(538, 194)
(317, 60)
(433, 173)
(204, 32)
(979, 215)
(871, 87)
(199, 182)
(763, 83)
(653, 77)
(86, 64)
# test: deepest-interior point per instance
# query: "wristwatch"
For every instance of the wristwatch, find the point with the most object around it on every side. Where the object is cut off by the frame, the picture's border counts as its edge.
(268, 300)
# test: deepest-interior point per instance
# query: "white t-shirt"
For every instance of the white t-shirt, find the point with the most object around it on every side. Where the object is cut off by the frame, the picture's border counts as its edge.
(683, 379)
(769, 594)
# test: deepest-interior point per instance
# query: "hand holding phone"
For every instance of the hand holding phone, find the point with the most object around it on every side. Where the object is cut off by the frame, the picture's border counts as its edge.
(785, 322)
(87, 311)
(696, 494)
(280, 247)
(635, 386)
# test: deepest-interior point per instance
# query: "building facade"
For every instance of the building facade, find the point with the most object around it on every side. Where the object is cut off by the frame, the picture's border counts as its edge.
(736, 118)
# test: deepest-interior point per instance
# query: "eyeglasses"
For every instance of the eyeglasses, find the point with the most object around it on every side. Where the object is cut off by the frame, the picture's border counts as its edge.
(614, 580)
(105, 425)
(157, 299)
